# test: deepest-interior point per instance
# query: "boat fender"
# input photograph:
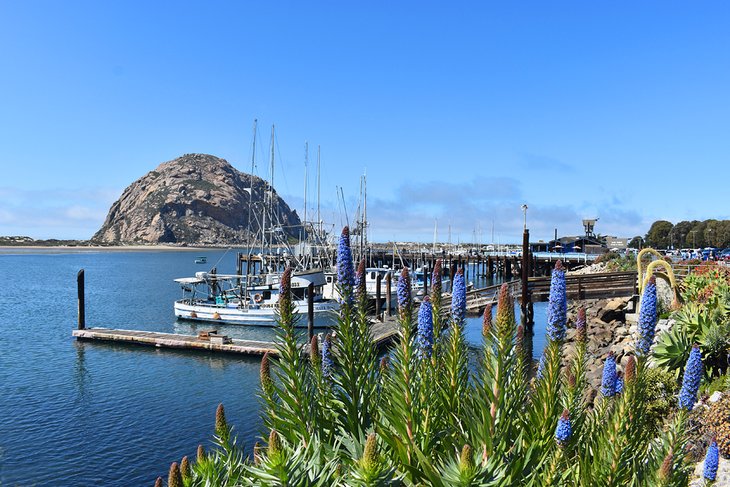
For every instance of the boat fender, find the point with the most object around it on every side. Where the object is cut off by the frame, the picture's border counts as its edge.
(258, 298)
(193, 314)
(216, 316)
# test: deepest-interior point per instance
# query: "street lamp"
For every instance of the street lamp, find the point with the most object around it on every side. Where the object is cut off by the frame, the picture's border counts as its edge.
(694, 232)
(524, 211)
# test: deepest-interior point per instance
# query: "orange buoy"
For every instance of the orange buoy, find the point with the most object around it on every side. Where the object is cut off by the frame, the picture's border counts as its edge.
(216, 316)
(193, 314)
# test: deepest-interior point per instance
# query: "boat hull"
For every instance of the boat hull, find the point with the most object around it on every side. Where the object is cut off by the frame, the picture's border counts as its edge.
(232, 314)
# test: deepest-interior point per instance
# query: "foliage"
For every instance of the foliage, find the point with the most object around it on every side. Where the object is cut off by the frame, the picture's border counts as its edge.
(658, 235)
(689, 234)
(704, 320)
(617, 262)
(717, 423)
(420, 419)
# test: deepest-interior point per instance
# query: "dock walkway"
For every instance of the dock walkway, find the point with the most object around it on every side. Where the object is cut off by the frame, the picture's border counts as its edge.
(382, 334)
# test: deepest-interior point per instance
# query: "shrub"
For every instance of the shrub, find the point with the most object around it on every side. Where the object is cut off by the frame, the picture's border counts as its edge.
(436, 419)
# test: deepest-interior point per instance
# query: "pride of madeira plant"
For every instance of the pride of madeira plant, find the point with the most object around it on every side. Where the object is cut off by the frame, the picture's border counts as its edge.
(432, 412)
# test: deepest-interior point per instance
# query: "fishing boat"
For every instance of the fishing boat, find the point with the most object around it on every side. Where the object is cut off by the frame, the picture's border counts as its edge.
(247, 299)
(371, 283)
(418, 277)
(201, 260)
(251, 297)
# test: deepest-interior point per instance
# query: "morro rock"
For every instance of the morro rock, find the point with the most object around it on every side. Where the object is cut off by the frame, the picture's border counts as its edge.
(196, 199)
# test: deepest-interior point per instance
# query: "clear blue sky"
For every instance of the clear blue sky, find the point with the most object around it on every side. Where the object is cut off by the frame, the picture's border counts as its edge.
(458, 111)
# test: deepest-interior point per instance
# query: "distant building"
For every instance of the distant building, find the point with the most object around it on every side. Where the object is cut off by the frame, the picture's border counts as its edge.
(617, 243)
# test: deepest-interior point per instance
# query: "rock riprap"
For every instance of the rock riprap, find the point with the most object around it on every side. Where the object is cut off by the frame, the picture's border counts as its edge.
(196, 199)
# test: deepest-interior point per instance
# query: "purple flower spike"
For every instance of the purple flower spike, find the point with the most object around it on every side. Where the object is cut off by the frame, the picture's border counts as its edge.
(327, 362)
(712, 460)
(345, 269)
(647, 318)
(404, 290)
(608, 383)
(691, 379)
(557, 304)
(424, 339)
(564, 428)
(458, 298)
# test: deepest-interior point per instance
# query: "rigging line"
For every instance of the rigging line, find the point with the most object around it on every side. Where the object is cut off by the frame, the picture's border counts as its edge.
(221, 257)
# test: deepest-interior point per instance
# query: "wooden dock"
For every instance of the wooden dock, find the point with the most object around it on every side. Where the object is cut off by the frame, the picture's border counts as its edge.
(382, 334)
(173, 340)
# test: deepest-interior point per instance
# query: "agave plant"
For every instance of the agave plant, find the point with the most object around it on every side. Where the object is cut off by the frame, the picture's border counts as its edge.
(429, 414)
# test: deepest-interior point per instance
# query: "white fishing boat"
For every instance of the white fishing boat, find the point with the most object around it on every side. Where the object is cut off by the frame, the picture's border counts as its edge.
(371, 283)
(248, 300)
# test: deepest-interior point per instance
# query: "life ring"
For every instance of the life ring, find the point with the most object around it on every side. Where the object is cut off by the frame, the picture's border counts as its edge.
(258, 298)
(193, 314)
(216, 316)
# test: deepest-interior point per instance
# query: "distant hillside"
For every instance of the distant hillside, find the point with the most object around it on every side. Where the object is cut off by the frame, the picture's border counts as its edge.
(196, 199)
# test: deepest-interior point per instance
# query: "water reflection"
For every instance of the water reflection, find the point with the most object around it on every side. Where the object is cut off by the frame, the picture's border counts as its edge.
(81, 373)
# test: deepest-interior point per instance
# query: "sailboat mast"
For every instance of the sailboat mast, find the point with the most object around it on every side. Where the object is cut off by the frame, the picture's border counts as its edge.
(271, 190)
(250, 191)
(306, 180)
(319, 220)
(365, 212)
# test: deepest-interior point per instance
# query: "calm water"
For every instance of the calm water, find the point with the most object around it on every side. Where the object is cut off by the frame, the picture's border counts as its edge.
(97, 414)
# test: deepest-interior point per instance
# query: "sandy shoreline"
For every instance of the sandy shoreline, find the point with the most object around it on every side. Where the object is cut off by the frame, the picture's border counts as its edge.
(41, 249)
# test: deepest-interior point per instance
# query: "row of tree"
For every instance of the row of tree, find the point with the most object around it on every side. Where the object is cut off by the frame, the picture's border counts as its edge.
(686, 234)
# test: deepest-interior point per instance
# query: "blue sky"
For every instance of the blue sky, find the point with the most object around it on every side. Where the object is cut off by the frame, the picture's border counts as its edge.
(459, 112)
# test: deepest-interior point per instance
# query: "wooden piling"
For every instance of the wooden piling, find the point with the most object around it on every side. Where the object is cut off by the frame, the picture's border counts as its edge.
(81, 299)
(425, 280)
(524, 311)
(310, 310)
(378, 301)
(388, 279)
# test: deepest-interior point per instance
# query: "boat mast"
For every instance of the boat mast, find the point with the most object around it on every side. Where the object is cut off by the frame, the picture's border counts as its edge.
(306, 180)
(271, 190)
(319, 220)
(250, 191)
(365, 213)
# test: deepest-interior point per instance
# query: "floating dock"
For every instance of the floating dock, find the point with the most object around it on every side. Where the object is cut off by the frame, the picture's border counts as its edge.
(382, 334)
(173, 340)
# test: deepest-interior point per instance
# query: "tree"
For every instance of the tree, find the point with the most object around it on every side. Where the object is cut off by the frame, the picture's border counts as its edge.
(658, 235)
(682, 237)
(635, 242)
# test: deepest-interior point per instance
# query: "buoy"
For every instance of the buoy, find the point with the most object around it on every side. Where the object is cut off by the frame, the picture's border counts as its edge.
(258, 298)
(193, 314)
(216, 316)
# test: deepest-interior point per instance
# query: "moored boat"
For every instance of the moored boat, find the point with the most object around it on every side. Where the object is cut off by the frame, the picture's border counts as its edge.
(247, 300)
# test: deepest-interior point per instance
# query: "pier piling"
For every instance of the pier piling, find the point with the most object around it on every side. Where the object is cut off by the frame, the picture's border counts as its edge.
(310, 310)
(378, 301)
(387, 292)
(81, 299)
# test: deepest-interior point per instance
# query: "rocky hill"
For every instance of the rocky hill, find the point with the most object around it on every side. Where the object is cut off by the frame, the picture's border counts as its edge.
(196, 199)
